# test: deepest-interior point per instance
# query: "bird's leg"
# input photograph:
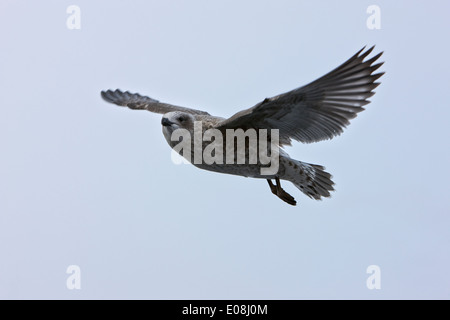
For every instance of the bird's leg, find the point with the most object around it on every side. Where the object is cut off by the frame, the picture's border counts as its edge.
(283, 195)
(280, 193)
(273, 188)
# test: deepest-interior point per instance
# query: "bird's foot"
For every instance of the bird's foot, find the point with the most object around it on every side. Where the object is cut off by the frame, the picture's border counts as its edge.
(280, 193)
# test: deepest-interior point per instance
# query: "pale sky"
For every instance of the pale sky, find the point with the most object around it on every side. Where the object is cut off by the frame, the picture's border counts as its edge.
(86, 183)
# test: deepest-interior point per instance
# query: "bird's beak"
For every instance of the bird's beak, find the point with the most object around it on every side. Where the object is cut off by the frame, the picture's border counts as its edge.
(166, 122)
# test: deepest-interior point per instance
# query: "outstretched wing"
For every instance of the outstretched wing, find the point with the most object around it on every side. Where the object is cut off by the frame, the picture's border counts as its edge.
(319, 110)
(137, 102)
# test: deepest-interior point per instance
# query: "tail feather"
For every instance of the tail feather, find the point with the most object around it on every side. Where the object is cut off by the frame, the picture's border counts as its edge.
(311, 179)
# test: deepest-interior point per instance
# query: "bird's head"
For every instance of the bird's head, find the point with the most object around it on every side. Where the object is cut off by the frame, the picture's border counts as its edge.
(176, 120)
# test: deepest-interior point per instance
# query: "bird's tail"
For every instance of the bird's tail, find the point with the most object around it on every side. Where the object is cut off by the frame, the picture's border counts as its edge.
(311, 179)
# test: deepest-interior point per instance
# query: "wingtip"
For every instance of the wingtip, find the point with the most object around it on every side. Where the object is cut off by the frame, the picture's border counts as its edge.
(362, 49)
(110, 95)
(362, 53)
(104, 94)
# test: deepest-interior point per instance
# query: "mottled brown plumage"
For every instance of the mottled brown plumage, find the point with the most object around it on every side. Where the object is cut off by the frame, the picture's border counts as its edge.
(314, 112)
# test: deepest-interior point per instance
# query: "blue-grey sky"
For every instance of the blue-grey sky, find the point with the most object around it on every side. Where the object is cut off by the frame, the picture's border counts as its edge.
(86, 183)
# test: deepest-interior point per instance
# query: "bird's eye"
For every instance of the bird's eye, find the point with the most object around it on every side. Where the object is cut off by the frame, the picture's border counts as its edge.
(181, 119)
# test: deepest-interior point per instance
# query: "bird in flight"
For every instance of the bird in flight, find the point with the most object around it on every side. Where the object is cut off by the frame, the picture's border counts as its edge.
(317, 111)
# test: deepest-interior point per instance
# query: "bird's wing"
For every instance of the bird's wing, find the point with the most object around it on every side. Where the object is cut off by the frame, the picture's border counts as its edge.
(137, 102)
(319, 110)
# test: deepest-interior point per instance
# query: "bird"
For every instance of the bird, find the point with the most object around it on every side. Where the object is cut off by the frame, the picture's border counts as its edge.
(311, 113)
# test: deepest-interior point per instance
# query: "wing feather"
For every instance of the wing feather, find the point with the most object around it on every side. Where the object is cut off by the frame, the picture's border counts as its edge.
(319, 110)
(137, 102)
